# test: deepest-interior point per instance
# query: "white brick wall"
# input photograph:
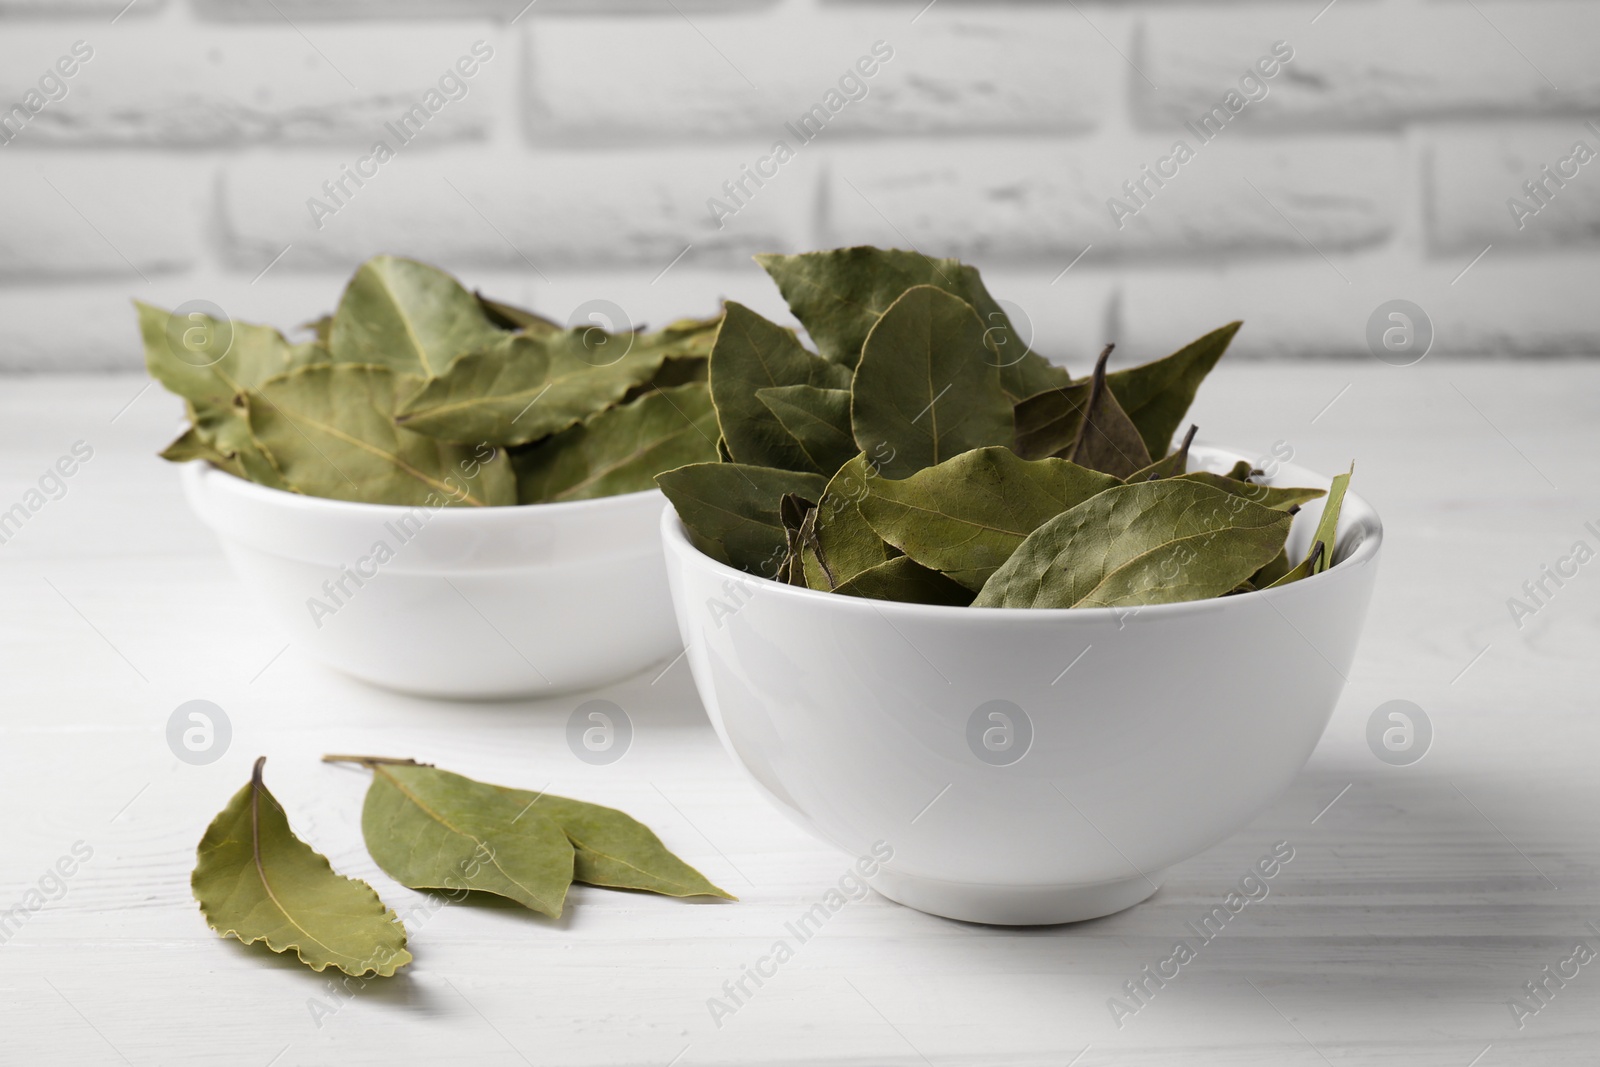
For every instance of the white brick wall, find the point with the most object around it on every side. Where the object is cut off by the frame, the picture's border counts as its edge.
(577, 160)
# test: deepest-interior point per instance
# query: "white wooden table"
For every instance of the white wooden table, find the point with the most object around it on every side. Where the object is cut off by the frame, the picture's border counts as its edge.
(1416, 906)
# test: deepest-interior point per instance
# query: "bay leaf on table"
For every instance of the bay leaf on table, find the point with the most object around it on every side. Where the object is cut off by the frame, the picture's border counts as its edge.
(614, 849)
(1157, 395)
(730, 510)
(522, 388)
(1153, 543)
(1173, 465)
(1277, 497)
(816, 419)
(844, 544)
(1240, 471)
(964, 517)
(256, 881)
(752, 354)
(923, 389)
(409, 317)
(330, 431)
(839, 294)
(621, 449)
(1328, 526)
(432, 829)
(1107, 440)
(211, 361)
(907, 581)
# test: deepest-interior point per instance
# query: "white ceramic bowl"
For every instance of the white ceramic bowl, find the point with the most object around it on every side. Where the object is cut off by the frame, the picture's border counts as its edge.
(473, 603)
(1155, 732)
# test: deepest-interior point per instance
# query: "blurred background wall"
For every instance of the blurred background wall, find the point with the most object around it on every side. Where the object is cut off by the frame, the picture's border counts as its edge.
(1337, 156)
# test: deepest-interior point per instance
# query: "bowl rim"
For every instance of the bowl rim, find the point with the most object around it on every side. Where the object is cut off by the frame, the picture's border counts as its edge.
(202, 474)
(676, 538)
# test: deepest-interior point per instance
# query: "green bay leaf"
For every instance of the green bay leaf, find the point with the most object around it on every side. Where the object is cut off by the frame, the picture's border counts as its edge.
(731, 510)
(1275, 568)
(1277, 497)
(225, 429)
(1313, 562)
(1153, 543)
(407, 316)
(839, 294)
(211, 361)
(752, 354)
(1047, 422)
(816, 419)
(924, 390)
(256, 881)
(330, 431)
(1328, 526)
(622, 449)
(511, 317)
(1173, 465)
(431, 829)
(522, 388)
(905, 580)
(843, 543)
(965, 516)
(1157, 395)
(616, 850)
(1107, 439)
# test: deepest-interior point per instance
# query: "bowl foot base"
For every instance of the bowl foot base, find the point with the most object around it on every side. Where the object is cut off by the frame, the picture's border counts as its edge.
(1002, 905)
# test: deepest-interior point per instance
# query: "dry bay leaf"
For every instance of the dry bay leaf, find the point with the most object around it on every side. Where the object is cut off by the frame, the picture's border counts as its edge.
(407, 316)
(1328, 526)
(905, 580)
(256, 881)
(1153, 543)
(965, 516)
(621, 449)
(431, 829)
(923, 390)
(731, 510)
(818, 421)
(752, 354)
(330, 430)
(1107, 439)
(1157, 395)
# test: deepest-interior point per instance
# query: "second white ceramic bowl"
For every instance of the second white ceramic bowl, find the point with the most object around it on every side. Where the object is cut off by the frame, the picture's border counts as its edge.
(467, 603)
(1025, 766)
